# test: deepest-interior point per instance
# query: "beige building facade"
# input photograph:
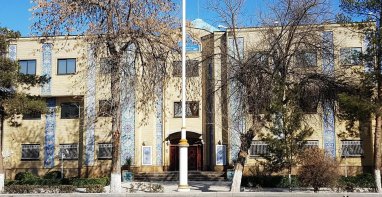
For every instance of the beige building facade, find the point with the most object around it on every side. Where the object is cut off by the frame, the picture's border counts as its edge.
(76, 132)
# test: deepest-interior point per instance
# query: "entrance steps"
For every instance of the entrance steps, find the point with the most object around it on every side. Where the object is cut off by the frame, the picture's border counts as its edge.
(174, 176)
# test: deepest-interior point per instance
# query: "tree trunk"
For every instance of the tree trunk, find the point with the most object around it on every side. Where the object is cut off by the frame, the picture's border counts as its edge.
(236, 181)
(378, 123)
(246, 140)
(115, 179)
(2, 171)
(377, 153)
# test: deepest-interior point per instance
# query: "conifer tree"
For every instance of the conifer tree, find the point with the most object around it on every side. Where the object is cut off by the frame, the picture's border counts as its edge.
(369, 101)
(14, 101)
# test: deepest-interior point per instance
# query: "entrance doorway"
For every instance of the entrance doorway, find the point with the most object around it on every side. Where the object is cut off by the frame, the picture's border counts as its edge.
(195, 152)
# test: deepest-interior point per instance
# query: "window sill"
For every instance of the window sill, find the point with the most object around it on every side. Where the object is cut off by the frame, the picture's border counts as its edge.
(30, 159)
(103, 159)
(66, 74)
(186, 117)
(353, 156)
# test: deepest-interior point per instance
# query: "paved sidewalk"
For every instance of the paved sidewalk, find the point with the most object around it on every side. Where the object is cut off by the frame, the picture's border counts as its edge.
(202, 189)
(195, 186)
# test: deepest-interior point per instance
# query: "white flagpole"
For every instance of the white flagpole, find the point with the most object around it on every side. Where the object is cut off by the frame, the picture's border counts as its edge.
(183, 144)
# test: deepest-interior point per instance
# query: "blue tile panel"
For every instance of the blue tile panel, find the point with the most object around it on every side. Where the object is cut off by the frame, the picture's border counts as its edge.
(46, 67)
(221, 155)
(50, 129)
(328, 111)
(235, 113)
(159, 123)
(12, 52)
(128, 108)
(365, 45)
(90, 107)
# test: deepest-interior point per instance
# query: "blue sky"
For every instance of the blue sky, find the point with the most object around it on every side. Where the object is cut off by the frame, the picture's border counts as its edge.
(15, 14)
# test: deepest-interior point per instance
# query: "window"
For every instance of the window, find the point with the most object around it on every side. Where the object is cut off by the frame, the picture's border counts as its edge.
(309, 98)
(350, 56)
(105, 150)
(32, 115)
(27, 67)
(260, 58)
(192, 68)
(258, 148)
(307, 59)
(192, 109)
(68, 151)
(351, 148)
(66, 66)
(104, 108)
(311, 144)
(70, 110)
(30, 151)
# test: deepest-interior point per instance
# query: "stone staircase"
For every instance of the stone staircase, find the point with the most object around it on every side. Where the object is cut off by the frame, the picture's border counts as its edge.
(173, 176)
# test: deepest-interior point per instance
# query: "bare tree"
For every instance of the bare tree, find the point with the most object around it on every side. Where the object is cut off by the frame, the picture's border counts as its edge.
(270, 75)
(145, 31)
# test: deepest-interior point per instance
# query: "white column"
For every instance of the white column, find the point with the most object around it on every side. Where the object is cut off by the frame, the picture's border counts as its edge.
(183, 144)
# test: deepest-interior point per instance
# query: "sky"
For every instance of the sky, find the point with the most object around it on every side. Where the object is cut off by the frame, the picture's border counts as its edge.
(14, 14)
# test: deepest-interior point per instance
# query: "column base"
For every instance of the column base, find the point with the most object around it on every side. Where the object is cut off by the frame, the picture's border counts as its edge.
(183, 188)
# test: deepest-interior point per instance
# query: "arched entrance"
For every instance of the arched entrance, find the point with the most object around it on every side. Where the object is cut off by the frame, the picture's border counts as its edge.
(195, 151)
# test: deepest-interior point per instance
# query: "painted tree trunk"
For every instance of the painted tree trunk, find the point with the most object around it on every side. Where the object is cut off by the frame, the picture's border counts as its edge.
(238, 175)
(115, 179)
(2, 171)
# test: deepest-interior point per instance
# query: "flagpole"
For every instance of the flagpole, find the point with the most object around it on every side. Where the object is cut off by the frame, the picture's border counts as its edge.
(183, 144)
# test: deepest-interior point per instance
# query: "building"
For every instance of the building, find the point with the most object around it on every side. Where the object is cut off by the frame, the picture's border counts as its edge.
(75, 133)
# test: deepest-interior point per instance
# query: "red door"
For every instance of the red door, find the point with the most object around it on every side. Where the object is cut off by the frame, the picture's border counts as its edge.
(192, 158)
(174, 158)
(195, 157)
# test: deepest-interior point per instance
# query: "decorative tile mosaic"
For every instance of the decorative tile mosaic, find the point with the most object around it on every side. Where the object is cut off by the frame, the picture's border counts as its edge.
(12, 52)
(328, 112)
(146, 155)
(50, 129)
(46, 67)
(365, 46)
(221, 154)
(235, 113)
(159, 123)
(90, 107)
(128, 109)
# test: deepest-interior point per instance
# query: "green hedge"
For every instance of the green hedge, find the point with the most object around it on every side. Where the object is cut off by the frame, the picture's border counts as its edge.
(27, 189)
(52, 178)
(347, 183)
(359, 181)
(81, 182)
(262, 181)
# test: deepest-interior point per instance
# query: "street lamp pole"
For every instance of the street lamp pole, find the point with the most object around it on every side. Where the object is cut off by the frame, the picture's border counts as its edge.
(183, 144)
